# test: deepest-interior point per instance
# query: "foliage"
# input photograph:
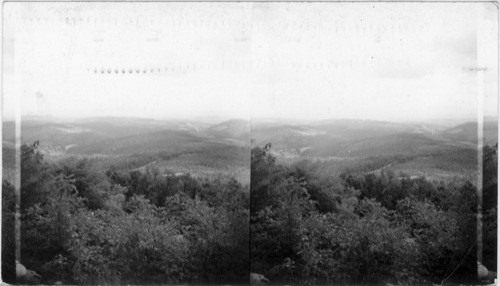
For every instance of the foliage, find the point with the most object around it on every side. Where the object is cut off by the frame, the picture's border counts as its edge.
(293, 223)
(83, 227)
(141, 247)
(385, 228)
(8, 238)
(490, 207)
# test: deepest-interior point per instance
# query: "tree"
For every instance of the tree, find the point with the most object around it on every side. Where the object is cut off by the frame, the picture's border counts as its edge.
(91, 185)
(262, 166)
(490, 207)
(8, 237)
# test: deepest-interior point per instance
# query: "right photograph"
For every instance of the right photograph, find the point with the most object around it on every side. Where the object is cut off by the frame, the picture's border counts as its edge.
(374, 144)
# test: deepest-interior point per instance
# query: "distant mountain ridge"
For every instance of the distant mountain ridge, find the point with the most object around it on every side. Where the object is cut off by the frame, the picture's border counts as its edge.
(418, 148)
(57, 133)
(468, 132)
(235, 128)
(197, 147)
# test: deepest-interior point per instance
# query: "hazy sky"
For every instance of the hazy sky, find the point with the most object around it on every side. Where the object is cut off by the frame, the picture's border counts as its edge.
(282, 60)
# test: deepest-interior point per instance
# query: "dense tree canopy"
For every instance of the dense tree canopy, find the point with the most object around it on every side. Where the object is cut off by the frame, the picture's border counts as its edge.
(365, 228)
(81, 226)
(292, 225)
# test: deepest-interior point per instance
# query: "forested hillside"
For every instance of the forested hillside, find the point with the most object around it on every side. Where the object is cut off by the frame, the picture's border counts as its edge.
(438, 152)
(307, 228)
(370, 202)
(200, 148)
(81, 226)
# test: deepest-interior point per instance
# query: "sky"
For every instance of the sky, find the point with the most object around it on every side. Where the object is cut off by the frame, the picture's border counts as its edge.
(313, 61)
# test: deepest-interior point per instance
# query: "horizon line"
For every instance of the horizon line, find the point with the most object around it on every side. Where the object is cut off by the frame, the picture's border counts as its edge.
(256, 118)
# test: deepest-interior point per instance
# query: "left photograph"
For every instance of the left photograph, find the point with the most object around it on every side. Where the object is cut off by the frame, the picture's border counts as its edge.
(125, 143)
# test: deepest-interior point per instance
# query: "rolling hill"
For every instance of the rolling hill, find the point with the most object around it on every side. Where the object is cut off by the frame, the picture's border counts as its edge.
(232, 130)
(198, 147)
(433, 150)
(208, 147)
(467, 132)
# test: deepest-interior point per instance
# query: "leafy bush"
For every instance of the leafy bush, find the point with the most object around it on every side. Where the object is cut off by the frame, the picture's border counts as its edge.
(82, 227)
(366, 228)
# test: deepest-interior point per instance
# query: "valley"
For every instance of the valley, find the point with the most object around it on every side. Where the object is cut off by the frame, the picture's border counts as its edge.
(210, 149)
(436, 151)
(196, 147)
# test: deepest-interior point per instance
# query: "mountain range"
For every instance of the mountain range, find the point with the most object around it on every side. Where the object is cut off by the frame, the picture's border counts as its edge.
(437, 151)
(209, 147)
(198, 147)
